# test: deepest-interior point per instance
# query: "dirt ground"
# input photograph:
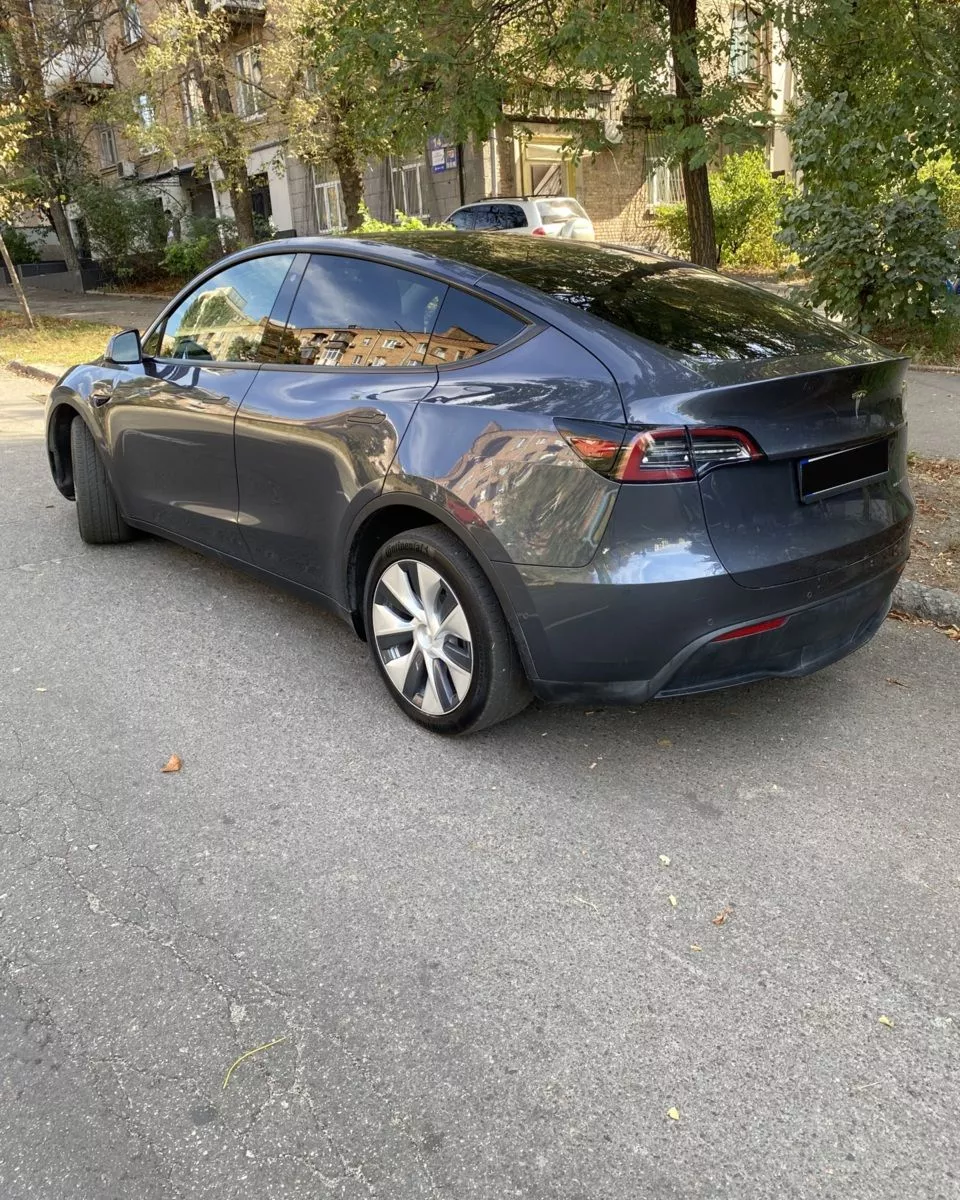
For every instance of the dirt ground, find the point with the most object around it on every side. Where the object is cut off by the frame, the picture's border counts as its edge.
(935, 552)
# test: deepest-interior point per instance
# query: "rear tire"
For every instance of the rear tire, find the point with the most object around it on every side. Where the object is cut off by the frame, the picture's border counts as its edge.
(438, 635)
(97, 513)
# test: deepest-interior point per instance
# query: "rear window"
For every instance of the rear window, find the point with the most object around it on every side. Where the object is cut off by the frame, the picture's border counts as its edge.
(706, 317)
(553, 210)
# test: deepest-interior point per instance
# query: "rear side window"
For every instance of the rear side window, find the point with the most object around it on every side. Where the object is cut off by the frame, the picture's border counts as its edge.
(554, 210)
(499, 216)
(227, 318)
(352, 313)
(467, 327)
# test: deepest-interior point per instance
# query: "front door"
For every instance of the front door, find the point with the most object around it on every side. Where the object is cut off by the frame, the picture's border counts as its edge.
(169, 422)
(315, 437)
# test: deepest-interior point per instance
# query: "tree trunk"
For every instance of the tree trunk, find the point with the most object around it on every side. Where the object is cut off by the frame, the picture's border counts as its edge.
(61, 225)
(242, 206)
(15, 282)
(351, 183)
(686, 70)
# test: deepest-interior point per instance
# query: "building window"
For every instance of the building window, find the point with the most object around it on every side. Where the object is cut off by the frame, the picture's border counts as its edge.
(148, 143)
(108, 146)
(331, 214)
(192, 100)
(664, 184)
(330, 358)
(357, 360)
(132, 25)
(408, 189)
(249, 96)
(392, 343)
(743, 44)
(378, 362)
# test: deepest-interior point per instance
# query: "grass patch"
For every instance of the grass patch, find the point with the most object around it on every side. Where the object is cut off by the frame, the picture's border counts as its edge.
(55, 341)
(938, 345)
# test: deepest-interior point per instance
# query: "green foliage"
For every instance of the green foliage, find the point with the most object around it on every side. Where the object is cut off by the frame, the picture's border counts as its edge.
(207, 240)
(123, 223)
(22, 247)
(747, 209)
(945, 175)
(370, 224)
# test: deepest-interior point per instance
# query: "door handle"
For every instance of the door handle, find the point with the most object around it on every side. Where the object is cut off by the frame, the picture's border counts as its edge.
(101, 391)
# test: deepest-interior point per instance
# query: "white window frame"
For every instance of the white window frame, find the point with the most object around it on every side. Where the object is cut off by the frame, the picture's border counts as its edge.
(331, 213)
(148, 144)
(132, 24)
(107, 139)
(407, 188)
(191, 100)
(246, 64)
(392, 343)
(330, 358)
(744, 57)
(664, 184)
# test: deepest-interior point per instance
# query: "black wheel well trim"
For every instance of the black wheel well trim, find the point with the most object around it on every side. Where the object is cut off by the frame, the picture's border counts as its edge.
(58, 443)
(433, 514)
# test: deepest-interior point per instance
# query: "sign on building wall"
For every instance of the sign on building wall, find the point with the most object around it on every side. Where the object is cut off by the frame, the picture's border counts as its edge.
(443, 155)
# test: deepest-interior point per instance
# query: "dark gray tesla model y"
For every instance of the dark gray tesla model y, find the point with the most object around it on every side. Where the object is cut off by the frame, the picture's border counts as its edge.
(515, 466)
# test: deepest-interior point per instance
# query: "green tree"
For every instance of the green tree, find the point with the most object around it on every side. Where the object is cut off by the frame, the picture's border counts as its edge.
(879, 104)
(13, 133)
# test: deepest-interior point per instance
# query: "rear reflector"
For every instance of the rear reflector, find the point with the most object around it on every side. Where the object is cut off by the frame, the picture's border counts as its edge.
(666, 455)
(750, 630)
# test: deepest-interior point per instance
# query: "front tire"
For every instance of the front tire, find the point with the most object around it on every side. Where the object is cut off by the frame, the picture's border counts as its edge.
(438, 635)
(97, 512)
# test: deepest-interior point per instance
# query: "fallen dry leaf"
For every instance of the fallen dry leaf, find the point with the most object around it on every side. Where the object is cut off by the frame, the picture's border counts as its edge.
(721, 917)
(673, 901)
(885, 1021)
(673, 1114)
(173, 764)
(664, 861)
(664, 742)
(898, 682)
(695, 947)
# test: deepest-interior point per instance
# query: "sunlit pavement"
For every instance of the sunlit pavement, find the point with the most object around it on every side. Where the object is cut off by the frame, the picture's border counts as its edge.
(494, 963)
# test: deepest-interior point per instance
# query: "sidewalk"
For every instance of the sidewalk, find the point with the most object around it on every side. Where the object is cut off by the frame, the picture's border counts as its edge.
(125, 311)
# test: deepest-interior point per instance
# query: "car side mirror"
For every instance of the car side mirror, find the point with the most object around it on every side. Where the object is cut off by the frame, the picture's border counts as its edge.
(124, 348)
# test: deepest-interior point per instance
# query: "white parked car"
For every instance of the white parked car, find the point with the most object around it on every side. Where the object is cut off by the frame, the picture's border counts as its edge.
(542, 216)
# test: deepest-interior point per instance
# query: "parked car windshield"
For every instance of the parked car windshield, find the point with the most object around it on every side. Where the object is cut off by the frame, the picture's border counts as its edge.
(704, 316)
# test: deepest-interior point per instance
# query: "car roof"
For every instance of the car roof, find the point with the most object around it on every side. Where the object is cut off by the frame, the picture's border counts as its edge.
(518, 199)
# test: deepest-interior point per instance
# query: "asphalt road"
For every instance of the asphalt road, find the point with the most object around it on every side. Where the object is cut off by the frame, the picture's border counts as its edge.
(468, 947)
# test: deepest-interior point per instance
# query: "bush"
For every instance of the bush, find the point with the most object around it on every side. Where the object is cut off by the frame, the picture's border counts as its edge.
(123, 223)
(875, 265)
(401, 221)
(747, 209)
(208, 240)
(945, 176)
(21, 245)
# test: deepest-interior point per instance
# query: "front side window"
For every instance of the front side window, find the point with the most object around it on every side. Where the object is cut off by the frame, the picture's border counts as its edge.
(463, 219)
(353, 313)
(467, 327)
(228, 318)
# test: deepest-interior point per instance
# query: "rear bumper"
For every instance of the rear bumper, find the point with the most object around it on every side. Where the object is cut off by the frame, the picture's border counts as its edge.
(637, 625)
(812, 638)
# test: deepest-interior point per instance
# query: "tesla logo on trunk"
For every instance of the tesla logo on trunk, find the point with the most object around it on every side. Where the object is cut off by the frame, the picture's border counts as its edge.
(857, 397)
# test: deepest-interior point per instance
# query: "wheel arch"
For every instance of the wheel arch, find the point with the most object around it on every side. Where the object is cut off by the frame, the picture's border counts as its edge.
(59, 453)
(396, 513)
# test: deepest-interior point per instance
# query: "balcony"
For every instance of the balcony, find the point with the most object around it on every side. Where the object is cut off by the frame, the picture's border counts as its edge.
(249, 12)
(81, 67)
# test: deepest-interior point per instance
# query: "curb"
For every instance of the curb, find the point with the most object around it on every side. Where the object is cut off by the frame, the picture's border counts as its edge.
(934, 369)
(927, 603)
(20, 368)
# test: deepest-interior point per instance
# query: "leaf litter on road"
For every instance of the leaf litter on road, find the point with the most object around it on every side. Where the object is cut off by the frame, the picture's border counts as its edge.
(723, 916)
(249, 1054)
(173, 764)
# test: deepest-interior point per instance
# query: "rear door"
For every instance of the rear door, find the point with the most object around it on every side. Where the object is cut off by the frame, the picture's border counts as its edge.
(169, 421)
(318, 430)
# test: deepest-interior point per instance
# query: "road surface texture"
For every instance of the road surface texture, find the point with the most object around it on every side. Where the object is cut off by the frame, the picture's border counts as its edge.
(492, 967)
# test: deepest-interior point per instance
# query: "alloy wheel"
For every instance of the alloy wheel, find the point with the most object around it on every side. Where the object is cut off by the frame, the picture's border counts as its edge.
(422, 636)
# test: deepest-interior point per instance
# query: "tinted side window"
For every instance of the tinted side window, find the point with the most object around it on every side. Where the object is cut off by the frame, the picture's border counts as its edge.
(464, 218)
(500, 216)
(226, 319)
(353, 313)
(467, 326)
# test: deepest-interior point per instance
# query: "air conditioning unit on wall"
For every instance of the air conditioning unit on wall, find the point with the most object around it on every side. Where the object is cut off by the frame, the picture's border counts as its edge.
(127, 170)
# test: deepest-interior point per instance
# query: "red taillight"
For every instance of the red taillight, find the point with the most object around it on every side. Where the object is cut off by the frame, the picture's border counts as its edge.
(539, 231)
(749, 630)
(667, 455)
